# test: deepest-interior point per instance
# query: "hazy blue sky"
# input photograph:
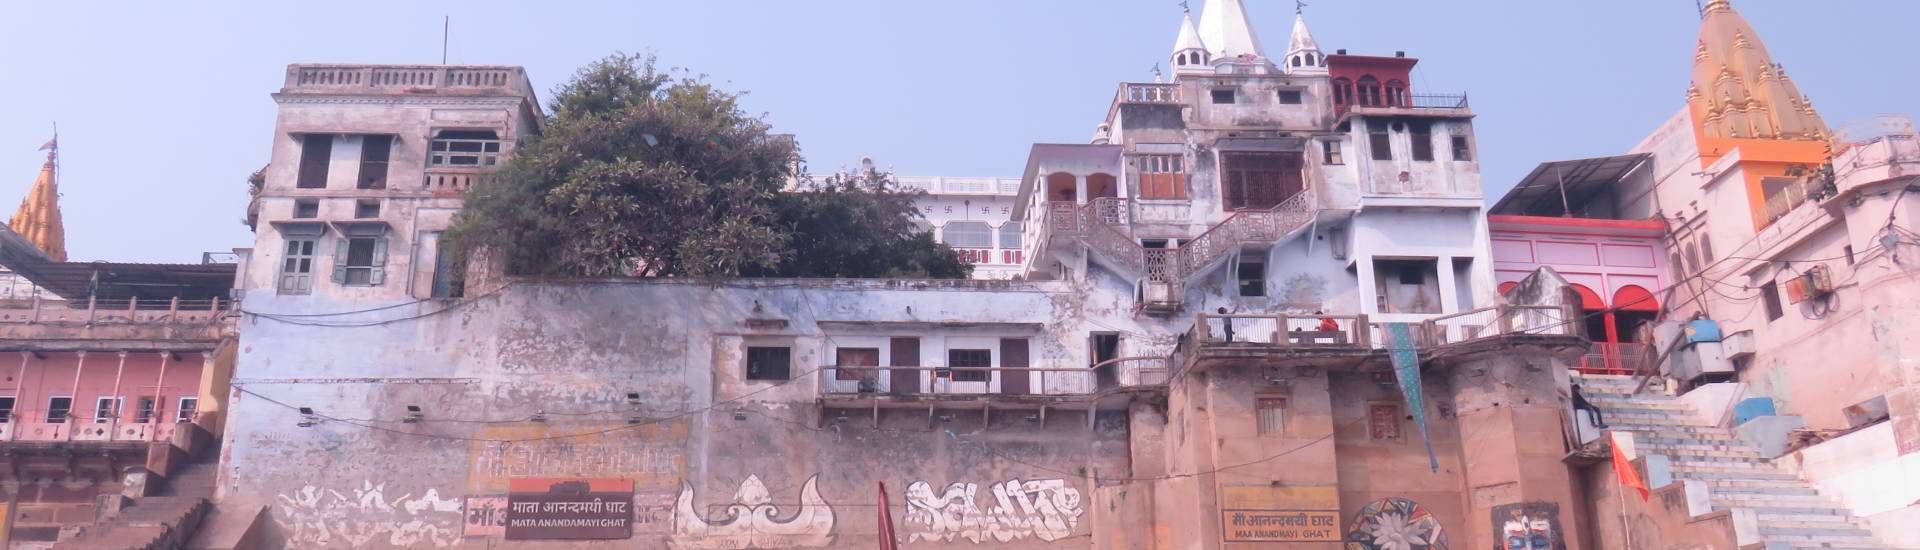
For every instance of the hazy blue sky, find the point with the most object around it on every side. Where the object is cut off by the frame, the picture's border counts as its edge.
(164, 109)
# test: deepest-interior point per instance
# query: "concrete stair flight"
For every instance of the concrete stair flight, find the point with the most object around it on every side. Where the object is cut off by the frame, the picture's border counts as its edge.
(152, 523)
(1790, 513)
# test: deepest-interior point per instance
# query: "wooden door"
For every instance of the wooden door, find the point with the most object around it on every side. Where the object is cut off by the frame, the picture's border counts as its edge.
(1013, 355)
(906, 353)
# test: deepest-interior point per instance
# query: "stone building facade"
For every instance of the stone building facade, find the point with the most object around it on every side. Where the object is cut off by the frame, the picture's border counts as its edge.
(1257, 312)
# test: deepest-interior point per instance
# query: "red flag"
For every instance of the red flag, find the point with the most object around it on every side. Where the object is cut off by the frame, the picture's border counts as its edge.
(888, 540)
(1629, 477)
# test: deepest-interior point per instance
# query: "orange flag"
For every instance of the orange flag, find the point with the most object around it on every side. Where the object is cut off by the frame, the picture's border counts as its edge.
(1629, 477)
(887, 537)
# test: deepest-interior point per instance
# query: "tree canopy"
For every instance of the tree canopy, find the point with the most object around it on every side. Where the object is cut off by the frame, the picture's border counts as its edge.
(639, 171)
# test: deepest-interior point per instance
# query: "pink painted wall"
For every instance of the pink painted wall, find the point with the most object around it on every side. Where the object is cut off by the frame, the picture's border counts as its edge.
(53, 376)
(1603, 263)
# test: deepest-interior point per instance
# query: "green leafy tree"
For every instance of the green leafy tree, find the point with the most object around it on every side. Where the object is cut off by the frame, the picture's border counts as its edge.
(860, 225)
(639, 171)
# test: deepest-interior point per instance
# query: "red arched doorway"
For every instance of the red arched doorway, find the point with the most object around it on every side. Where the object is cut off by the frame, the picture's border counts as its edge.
(1102, 186)
(1633, 308)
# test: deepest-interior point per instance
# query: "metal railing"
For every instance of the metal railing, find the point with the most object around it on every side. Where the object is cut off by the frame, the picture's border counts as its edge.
(1281, 329)
(1149, 93)
(940, 380)
(1437, 101)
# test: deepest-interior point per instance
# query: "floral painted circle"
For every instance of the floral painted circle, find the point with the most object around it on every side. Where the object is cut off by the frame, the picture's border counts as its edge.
(1395, 524)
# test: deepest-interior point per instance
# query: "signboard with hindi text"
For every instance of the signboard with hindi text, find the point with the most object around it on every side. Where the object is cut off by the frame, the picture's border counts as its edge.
(569, 509)
(1280, 514)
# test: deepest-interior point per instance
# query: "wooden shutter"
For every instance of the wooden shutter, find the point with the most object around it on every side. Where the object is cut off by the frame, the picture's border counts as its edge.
(905, 353)
(1013, 355)
(379, 272)
(340, 247)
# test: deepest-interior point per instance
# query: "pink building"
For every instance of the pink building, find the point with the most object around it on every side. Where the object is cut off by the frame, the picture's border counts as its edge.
(1577, 217)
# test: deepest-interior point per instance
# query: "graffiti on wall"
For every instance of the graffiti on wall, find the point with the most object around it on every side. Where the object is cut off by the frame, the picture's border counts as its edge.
(1528, 526)
(1046, 509)
(1395, 523)
(752, 520)
(651, 455)
(365, 515)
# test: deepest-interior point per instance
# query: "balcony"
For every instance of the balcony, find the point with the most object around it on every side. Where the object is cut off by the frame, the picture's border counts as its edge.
(1435, 105)
(38, 426)
(453, 181)
(1876, 160)
(1279, 338)
(172, 324)
(1157, 93)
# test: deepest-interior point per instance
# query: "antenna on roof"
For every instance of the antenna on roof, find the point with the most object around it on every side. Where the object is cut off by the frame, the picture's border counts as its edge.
(446, 27)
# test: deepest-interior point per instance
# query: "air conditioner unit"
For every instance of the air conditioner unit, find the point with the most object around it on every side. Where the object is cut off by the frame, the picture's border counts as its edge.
(1815, 283)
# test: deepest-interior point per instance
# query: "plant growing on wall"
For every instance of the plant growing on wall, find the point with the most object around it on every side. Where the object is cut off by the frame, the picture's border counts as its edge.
(653, 173)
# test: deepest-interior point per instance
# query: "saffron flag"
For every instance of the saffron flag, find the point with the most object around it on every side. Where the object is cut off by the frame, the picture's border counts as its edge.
(1406, 368)
(51, 145)
(888, 541)
(1622, 468)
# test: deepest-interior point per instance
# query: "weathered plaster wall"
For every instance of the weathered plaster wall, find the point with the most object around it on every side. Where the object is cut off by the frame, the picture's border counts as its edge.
(1662, 522)
(574, 351)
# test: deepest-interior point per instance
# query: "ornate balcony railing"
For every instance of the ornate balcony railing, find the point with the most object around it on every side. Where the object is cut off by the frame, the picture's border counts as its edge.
(1149, 93)
(401, 78)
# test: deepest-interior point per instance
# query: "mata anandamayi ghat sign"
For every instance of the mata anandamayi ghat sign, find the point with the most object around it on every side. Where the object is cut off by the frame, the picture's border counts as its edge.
(569, 508)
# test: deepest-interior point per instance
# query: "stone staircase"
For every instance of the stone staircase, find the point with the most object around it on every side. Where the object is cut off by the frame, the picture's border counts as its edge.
(1788, 512)
(1105, 226)
(163, 521)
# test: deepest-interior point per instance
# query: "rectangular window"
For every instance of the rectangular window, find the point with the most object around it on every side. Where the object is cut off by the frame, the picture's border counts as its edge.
(960, 359)
(360, 261)
(1407, 286)
(146, 410)
(967, 234)
(374, 151)
(1011, 235)
(1706, 250)
(1162, 176)
(1290, 97)
(296, 269)
(1461, 152)
(444, 285)
(189, 406)
(1770, 293)
(769, 363)
(1331, 148)
(306, 209)
(1383, 421)
(1260, 180)
(465, 148)
(366, 209)
(1849, 251)
(316, 153)
(1271, 415)
(1253, 279)
(6, 409)
(1380, 142)
(58, 408)
(1422, 136)
(105, 409)
(856, 357)
(1223, 96)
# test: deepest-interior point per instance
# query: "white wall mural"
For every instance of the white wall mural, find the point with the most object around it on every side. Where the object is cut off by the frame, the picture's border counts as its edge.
(1046, 509)
(752, 520)
(313, 516)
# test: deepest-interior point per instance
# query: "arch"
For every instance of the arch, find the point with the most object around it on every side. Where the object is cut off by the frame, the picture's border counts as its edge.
(1635, 298)
(1368, 89)
(1396, 93)
(1297, 61)
(1589, 299)
(1342, 90)
(1101, 185)
(1062, 187)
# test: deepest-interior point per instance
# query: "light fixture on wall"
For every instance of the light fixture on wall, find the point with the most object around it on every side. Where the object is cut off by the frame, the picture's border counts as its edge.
(413, 415)
(538, 416)
(740, 414)
(307, 418)
(633, 398)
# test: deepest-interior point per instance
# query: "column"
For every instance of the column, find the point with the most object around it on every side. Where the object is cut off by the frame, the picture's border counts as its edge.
(160, 406)
(1079, 189)
(117, 372)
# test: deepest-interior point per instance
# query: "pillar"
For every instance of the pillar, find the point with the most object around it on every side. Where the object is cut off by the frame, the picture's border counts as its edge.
(74, 396)
(1079, 188)
(1511, 413)
(160, 406)
(117, 372)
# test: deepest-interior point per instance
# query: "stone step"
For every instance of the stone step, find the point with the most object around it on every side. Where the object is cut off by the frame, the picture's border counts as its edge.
(1820, 540)
(1774, 500)
(1609, 401)
(1718, 451)
(1787, 488)
(1657, 420)
(1723, 466)
(1709, 474)
(1670, 430)
(1738, 484)
(1686, 438)
(1808, 520)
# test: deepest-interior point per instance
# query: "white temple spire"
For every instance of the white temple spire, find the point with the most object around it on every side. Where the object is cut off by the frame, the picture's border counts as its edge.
(1225, 30)
(1188, 51)
(1303, 54)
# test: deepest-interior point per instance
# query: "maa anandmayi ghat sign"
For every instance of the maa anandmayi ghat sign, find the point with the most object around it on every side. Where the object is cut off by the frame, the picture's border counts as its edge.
(1280, 514)
(569, 509)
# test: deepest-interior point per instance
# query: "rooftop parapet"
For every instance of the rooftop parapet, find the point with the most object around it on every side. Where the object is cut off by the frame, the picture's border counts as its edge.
(407, 80)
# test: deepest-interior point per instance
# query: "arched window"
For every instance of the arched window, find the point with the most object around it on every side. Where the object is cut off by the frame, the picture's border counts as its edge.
(1313, 60)
(1396, 93)
(1102, 185)
(1296, 61)
(1369, 91)
(1061, 187)
(1342, 91)
(1693, 259)
(967, 234)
